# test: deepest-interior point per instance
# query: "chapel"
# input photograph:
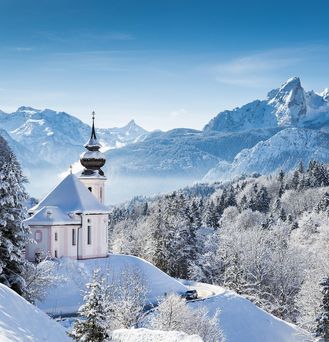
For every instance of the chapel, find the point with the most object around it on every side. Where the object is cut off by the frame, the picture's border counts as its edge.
(71, 221)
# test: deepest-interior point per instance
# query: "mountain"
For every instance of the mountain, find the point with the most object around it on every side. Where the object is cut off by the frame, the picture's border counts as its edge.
(57, 137)
(260, 136)
(46, 142)
(302, 119)
(282, 151)
(287, 106)
(181, 152)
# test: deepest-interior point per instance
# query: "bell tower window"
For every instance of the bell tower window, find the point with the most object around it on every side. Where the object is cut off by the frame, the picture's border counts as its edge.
(90, 189)
(73, 238)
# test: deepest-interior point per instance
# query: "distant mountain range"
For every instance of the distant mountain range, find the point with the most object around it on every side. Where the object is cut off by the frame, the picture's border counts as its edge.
(57, 137)
(289, 126)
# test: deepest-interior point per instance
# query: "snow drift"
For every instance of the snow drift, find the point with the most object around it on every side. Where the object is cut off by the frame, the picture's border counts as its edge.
(20, 321)
(146, 335)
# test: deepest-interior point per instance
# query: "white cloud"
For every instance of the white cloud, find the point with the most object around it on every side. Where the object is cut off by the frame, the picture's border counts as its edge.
(23, 49)
(260, 68)
(178, 113)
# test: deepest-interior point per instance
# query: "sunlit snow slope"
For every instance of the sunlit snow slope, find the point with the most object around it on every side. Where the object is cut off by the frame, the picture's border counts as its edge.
(20, 321)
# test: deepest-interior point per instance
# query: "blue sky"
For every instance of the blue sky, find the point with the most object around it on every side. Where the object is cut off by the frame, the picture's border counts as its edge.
(166, 64)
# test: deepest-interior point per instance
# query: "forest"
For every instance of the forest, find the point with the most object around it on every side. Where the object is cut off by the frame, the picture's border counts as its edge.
(265, 237)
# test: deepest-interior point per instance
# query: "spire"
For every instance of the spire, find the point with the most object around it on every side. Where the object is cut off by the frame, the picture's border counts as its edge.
(93, 132)
(93, 144)
(92, 159)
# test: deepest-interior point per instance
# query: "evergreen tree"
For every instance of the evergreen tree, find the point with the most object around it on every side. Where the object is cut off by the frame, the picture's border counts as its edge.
(93, 327)
(263, 200)
(295, 180)
(283, 215)
(13, 235)
(243, 203)
(281, 181)
(301, 169)
(324, 203)
(212, 215)
(322, 329)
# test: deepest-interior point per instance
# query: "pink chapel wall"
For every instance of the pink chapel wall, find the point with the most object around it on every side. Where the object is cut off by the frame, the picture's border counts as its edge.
(58, 241)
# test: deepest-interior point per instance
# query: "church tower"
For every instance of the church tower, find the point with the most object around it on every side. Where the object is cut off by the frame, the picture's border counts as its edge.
(93, 160)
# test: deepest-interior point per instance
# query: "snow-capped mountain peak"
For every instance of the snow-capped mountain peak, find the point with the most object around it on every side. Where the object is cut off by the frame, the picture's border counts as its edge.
(27, 110)
(289, 103)
(58, 137)
(286, 106)
(325, 94)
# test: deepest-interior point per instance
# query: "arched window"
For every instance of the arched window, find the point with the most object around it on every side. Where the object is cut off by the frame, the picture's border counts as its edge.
(90, 189)
(101, 194)
(56, 254)
(38, 236)
(56, 236)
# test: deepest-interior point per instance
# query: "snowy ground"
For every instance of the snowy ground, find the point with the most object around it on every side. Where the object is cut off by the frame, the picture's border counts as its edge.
(20, 321)
(145, 335)
(240, 320)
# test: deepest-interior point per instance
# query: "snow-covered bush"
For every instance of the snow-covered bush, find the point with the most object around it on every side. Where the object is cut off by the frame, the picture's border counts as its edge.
(38, 278)
(124, 299)
(174, 314)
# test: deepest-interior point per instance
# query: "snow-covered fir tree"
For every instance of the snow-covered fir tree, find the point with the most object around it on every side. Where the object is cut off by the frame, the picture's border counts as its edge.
(322, 329)
(92, 327)
(13, 235)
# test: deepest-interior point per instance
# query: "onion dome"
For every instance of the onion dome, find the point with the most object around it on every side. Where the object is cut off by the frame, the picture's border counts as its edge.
(92, 160)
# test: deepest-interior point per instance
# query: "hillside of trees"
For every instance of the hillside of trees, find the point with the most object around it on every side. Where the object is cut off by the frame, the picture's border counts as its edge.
(266, 237)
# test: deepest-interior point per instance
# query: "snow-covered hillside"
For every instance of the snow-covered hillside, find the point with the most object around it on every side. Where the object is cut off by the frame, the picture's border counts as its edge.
(20, 321)
(240, 320)
(68, 297)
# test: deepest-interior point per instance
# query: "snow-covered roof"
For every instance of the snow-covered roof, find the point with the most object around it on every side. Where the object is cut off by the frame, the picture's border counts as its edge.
(71, 196)
(51, 216)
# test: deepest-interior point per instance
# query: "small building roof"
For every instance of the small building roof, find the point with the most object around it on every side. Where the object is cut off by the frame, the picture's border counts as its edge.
(72, 196)
(52, 216)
